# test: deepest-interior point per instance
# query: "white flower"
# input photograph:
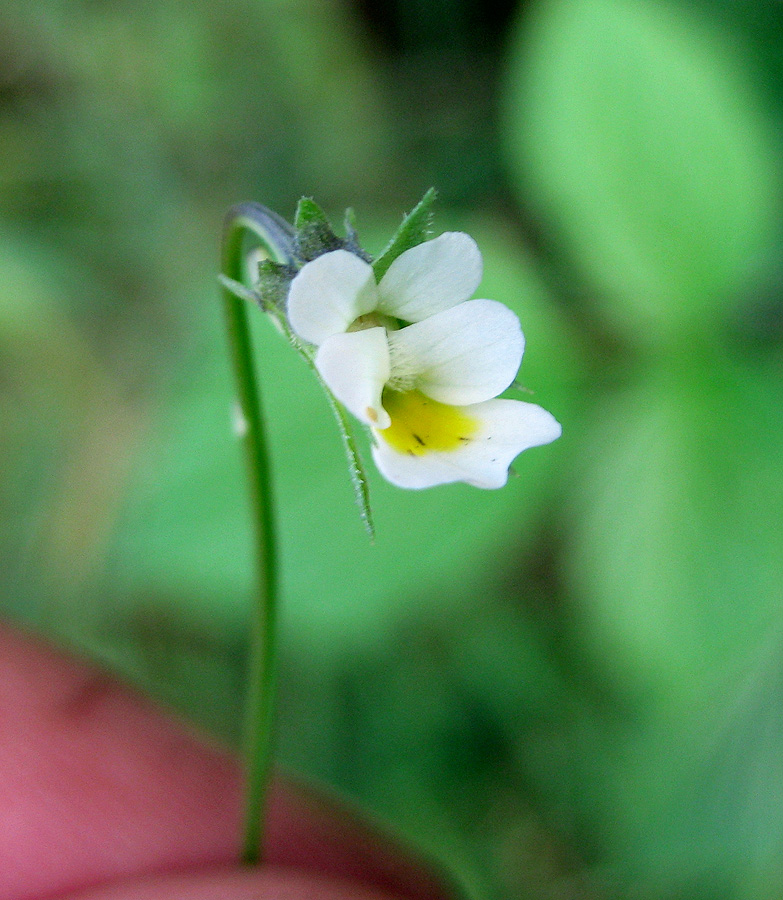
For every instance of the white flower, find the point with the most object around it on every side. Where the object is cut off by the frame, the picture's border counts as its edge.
(420, 363)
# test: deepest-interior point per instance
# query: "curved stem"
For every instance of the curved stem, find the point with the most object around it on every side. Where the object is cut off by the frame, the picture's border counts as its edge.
(275, 236)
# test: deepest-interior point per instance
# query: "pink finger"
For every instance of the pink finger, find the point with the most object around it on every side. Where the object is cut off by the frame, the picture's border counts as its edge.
(270, 883)
(98, 784)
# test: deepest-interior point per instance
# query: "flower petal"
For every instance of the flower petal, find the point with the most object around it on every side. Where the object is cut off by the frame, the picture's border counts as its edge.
(431, 277)
(504, 428)
(329, 293)
(355, 367)
(463, 355)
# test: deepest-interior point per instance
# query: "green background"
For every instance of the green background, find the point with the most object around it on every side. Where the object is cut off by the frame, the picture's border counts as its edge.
(570, 688)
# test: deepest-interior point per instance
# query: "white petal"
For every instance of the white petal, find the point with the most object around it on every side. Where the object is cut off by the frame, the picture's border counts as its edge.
(463, 355)
(355, 367)
(329, 293)
(431, 277)
(505, 429)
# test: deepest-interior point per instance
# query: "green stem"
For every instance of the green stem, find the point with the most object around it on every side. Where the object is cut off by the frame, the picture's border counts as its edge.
(275, 236)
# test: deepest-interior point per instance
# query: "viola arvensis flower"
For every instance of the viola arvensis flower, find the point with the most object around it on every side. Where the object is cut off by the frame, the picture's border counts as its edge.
(419, 362)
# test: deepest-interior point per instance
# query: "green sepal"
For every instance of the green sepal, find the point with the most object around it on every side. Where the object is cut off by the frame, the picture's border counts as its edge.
(361, 487)
(274, 281)
(415, 229)
(314, 233)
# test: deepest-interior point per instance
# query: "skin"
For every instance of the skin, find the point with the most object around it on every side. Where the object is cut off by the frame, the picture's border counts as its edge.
(103, 796)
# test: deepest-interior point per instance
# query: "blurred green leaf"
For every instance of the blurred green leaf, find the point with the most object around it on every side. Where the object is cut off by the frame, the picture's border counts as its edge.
(677, 521)
(633, 129)
(676, 539)
(64, 438)
(716, 819)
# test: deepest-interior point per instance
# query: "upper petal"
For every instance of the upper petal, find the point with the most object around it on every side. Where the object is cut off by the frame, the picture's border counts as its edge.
(463, 355)
(504, 428)
(329, 293)
(355, 367)
(431, 277)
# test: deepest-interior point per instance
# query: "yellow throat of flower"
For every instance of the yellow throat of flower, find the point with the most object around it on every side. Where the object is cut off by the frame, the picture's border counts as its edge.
(420, 425)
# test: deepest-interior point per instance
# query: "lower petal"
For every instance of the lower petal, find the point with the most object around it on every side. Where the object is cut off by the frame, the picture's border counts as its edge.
(495, 432)
(355, 367)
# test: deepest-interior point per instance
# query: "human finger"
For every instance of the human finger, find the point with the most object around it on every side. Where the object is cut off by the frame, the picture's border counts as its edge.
(98, 784)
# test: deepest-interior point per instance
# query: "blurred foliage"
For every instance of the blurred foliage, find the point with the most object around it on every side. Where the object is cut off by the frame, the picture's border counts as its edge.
(568, 688)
